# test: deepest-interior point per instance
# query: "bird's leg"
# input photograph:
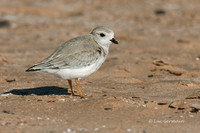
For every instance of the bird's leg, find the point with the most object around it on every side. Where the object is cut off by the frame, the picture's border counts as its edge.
(79, 89)
(70, 84)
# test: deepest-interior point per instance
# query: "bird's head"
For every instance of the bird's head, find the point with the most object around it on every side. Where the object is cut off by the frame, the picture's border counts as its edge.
(103, 36)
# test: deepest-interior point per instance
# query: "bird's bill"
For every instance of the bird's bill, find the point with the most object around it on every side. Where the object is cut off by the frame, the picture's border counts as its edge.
(114, 41)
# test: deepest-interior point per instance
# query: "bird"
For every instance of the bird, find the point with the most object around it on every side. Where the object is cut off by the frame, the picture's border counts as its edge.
(78, 57)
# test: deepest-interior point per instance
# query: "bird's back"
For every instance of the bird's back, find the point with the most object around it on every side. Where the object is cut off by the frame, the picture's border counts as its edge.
(77, 52)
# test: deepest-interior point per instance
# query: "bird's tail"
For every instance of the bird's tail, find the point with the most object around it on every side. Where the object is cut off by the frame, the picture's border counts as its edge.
(33, 68)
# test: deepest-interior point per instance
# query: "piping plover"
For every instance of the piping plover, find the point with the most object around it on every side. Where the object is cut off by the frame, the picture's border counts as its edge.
(79, 57)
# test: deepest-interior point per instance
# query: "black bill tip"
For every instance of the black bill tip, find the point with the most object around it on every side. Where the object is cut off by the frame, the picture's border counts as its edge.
(114, 41)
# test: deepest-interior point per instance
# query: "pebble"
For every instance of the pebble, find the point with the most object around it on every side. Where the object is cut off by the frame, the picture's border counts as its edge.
(82, 129)
(129, 130)
(74, 99)
(39, 118)
(191, 116)
(96, 129)
(103, 126)
(197, 58)
(68, 130)
(5, 123)
(144, 105)
(21, 124)
(62, 99)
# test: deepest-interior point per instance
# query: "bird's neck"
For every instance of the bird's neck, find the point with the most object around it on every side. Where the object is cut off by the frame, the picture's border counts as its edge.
(105, 48)
(104, 45)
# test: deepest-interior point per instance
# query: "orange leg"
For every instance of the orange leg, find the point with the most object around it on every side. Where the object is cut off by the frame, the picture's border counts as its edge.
(70, 84)
(79, 89)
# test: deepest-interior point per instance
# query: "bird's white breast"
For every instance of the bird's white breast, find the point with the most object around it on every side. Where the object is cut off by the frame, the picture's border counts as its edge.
(80, 72)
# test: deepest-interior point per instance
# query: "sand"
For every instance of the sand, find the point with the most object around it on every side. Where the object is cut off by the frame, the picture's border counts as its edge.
(149, 82)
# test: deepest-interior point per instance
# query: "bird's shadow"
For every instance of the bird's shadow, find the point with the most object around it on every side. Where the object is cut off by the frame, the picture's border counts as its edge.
(46, 90)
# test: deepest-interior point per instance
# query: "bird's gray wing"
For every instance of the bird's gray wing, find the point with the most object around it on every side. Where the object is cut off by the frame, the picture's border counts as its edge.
(76, 53)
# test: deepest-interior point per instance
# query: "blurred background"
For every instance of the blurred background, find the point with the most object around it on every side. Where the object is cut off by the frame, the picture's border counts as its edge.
(47, 23)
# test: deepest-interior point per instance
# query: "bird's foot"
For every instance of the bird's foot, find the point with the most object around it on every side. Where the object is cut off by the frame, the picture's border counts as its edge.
(83, 96)
(73, 94)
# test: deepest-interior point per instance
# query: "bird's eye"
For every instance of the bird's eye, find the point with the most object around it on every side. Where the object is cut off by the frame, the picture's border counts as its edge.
(102, 35)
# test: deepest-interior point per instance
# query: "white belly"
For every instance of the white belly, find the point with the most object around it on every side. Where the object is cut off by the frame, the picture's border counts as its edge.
(78, 73)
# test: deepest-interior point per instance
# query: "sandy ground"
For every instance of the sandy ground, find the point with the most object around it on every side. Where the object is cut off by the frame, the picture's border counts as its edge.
(149, 82)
